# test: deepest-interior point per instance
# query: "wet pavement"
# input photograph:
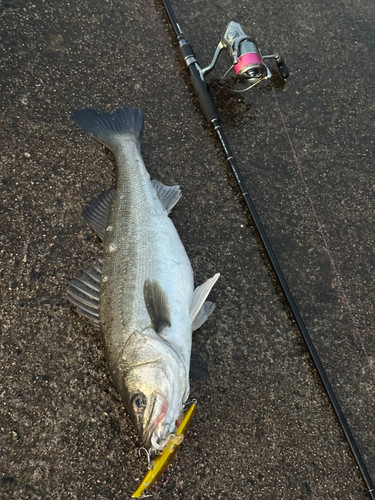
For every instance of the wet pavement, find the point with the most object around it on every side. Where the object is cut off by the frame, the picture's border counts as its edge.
(263, 427)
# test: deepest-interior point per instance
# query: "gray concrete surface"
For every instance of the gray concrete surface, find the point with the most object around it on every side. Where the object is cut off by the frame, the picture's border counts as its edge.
(263, 428)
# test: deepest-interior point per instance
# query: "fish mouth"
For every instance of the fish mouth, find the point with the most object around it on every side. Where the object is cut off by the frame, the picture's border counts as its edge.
(156, 432)
(159, 441)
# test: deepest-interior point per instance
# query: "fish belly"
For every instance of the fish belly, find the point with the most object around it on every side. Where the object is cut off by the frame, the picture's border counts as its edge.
(141, 243)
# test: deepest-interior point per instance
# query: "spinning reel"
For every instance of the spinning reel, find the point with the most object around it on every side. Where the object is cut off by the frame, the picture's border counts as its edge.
(247, 61)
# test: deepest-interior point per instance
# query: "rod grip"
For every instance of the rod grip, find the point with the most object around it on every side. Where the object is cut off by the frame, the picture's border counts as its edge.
(200, 86)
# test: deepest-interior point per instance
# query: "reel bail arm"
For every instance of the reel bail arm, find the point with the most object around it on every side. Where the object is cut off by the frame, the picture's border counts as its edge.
(252, 71)
(248, 63)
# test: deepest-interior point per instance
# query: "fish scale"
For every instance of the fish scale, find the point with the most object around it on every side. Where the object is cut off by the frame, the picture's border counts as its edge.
(147, 304)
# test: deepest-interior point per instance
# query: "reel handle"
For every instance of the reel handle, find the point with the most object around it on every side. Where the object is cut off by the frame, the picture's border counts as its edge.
(283, 70)
(247, 60)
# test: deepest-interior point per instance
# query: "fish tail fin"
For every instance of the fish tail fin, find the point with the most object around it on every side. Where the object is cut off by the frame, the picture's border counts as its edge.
(108, 128)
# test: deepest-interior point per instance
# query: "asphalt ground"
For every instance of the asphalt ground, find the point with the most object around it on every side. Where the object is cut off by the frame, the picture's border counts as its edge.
(263, 427)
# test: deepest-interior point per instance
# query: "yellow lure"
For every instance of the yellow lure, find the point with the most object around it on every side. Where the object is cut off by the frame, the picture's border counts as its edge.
(162, 461)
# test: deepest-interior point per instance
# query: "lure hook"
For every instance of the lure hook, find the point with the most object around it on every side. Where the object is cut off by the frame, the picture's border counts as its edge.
(148, 453)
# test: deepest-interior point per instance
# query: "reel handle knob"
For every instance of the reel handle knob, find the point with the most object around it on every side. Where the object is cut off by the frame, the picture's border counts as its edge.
(283, 70)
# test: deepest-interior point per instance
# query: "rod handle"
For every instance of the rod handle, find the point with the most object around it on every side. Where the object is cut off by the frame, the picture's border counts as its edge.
(200, 86)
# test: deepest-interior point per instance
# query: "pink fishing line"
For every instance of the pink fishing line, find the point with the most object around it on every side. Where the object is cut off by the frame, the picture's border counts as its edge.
(334, 268)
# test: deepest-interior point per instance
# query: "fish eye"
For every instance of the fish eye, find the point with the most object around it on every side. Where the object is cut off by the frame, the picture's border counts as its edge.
(139, 402)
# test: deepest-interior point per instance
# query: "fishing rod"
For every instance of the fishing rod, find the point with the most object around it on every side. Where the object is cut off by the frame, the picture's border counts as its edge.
(249, 66)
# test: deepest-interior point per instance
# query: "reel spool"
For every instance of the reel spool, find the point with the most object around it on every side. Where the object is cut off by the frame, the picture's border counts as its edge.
(247, 61)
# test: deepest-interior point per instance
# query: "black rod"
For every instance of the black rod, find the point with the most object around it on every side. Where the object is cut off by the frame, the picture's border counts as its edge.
(296, 314)
(209, 109)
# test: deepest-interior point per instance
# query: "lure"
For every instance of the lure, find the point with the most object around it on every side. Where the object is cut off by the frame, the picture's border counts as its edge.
(162, 461)
(249, 65)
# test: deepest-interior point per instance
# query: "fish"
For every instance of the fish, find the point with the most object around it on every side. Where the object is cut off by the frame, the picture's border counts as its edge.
(140, 293)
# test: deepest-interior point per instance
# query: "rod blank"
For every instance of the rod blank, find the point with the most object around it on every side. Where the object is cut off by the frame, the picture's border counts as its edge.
(209, 109)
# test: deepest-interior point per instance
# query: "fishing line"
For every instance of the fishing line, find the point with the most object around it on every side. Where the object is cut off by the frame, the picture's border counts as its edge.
(249, 66)
(320, 229)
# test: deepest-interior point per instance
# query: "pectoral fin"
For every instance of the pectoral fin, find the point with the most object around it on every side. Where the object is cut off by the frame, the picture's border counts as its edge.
(200, 310)
(157, 305)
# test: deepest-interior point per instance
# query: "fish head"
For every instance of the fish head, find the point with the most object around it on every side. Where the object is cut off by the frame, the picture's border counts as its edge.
(155, 401)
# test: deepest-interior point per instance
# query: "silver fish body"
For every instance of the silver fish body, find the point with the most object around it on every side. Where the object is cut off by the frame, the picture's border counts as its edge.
(146, 306)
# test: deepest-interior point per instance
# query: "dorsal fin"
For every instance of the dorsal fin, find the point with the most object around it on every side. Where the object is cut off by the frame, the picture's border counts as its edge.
(157, 305)
(96, 213)
(84, 293)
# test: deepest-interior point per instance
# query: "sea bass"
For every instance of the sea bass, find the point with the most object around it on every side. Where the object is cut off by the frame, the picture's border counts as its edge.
(141, 293)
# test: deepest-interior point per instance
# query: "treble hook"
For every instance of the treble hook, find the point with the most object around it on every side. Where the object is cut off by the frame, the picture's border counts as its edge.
(148, 453)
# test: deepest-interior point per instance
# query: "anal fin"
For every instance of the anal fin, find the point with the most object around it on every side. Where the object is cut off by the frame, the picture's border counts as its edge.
(168, 195)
